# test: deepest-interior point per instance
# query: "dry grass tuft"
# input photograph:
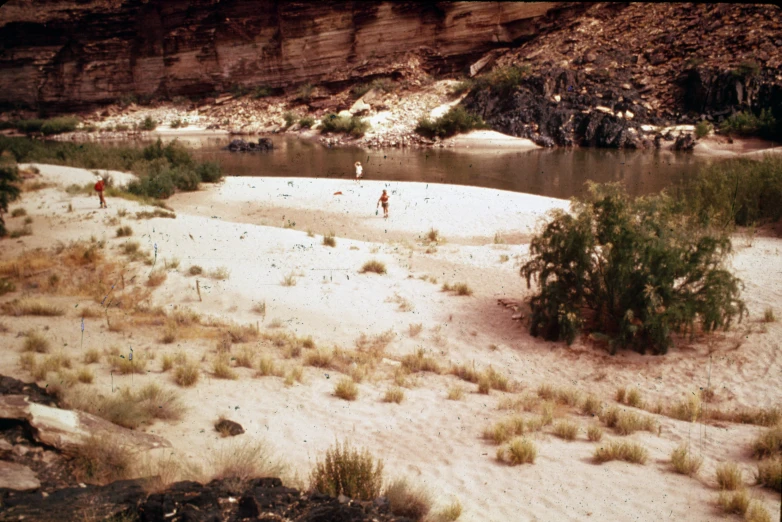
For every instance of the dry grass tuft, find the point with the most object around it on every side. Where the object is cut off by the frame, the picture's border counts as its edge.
(125, 366)
(320, 358)
(769, 443)
(518, 451)
(295, 374)
(591, 405)
(687, 410)
(373, 265)
(503, 431)
(415, 329)
(566, 430)
(128, 408)
(395, 394)
(221, 367)
(243, 333)
(455, 393)
(289, 280)
(220, 273)
(244, 460)
(346, 471)
(734, 503)
(167, 363)
(186, 374)
(620, 395)
(91, 356)
(627, 451)
(156, 278)
(462, 289)
(169, 333)
(634, 398)
(346, 389)
(685, 463)
(268, 368)
(101, 460)
(769, 473)
(195, 270)
(259, 308)
(757, 416)
(19, 307)
(728, 476)
(595, 433)
(769, 316)
(757, 513)
(420, 362)
(85, 375)
(407, 500)
(245, 358)
(35, 342)
(125, 231)
(329, 240)
(449, 513)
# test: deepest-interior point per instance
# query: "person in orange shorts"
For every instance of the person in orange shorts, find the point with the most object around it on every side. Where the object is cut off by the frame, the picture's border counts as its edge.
(384, 201)
(99, 188)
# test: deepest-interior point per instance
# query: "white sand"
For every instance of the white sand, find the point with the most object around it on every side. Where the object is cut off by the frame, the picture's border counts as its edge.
(486, 139)
(238, 225)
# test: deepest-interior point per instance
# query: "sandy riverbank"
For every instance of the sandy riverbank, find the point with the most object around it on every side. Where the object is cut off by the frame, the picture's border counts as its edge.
(240, 225)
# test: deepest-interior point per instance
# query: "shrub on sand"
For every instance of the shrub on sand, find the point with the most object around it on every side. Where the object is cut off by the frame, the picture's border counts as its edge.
(685, 463)
(156, 278)
(125, 231)
(244, 460)
(566, 430)
(346, 471)
(394, 394)
(373, 265)
(518, 451)
(449, 513)
(621, 450)
(186, 374)
(769, 473)
(634, 398)
(728, 476)
(103, 459)
(221, 367)
(195, 270)
(91, 356)
(167, 363)
(455, 393)
(757, 513)
(595, 433)
(329, 240)
(35, 342)
(736, 502)
(407, 500)
(591, 405)
(346, 389)
(769, 443)
(86, 375)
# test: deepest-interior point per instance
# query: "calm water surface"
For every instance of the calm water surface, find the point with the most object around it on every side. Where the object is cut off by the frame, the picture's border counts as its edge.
(558, 173)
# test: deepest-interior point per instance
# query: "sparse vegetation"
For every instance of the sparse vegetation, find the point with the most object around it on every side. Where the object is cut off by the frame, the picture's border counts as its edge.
(768, 315)
(346, 389)
(419, 361)
(289, 280)
(518, 451)
(19, 307)
(101, 460)
(124, 231)
(736, 502)
(566, 430)
(354, 125)
(35, 342)
(195, 270)
(156, 278)
(621, 450)
(769, 443)
(456, 120)
(220, 273)
(608, 251)
(757, 513)
(129, 408)
(395, 394)
(244, 460)
(685, 463)
(728, 475)
(408, 500)
(346, 471)
(91, 356)
(769, 473)
(373, 265)
(329, 240)
(186, 374)
(702, 129)
(455, 393)
(595, 433)
(221, 367)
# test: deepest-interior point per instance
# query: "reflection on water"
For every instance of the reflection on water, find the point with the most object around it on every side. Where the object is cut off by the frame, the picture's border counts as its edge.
(559, 173)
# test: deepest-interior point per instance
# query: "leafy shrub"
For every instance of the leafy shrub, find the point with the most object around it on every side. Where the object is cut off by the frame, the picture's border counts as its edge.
(9, 190)
(749, 124)
(353, 125)
(148, 124)
(349, 472)
(306, 122)
(702, 129)
(635, 265)
(455, 121)
(737, 191)
(503, 80)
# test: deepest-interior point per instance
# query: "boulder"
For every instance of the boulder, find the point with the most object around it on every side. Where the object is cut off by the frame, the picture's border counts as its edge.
(66, 430)
(230, 427)
(17, 477)
(359, 108)
(684, 142)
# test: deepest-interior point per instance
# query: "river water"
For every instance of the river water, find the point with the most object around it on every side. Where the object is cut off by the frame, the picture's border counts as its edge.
(559, 173)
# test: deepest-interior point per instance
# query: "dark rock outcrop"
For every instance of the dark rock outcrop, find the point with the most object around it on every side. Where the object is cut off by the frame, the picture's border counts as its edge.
(74, 54)
(239, 145)
(264, 498)
(684, 142)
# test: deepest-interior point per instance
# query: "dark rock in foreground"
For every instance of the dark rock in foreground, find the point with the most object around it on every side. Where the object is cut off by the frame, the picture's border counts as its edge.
(220, 500)
(263, 145)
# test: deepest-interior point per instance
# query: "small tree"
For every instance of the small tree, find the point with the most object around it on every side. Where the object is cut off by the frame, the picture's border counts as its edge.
(9, 191)
(635, 271)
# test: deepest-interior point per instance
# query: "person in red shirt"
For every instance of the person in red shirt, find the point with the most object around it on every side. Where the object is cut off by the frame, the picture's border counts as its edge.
(384, 201)
(99, 187)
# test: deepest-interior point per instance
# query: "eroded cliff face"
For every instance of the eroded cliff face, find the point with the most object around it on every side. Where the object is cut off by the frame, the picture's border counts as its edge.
(71, 54)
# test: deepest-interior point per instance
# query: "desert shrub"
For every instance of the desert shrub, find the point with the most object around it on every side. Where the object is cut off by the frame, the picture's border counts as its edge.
(769, 473)
(156, 278)
(728, 476)
(395, 394)
(757, 513)
(306, 122)
(503, 80)
(627, 451)
(124, 231)
(92, 356)
(347, 471)
(749, 124)
(449, 513)
(461, 87)
(18, 212)
(736, 192)
(518, 451)
(747, 69)
(329, 240)
(462, 289)
(35, 342)
(736, 502)
(566, 430)
(221, 367)
(148, 124)
(455, 121)
(408, 500)
(102, 459)
(195, 270)
(768, 315)
(262, 91)
(455, 393)
(635, 265)
(186, 374)
(420, 362)
(702, 129)
(19, 307)
(129, 408)
(240, 461)
(595, 433)
(353, 125)
(758, 416)
(591, 405)
(373, 265)
(85, 375)
(633, 398)
(685, 463)
(687, 410)
(768, 443)
(346, 389)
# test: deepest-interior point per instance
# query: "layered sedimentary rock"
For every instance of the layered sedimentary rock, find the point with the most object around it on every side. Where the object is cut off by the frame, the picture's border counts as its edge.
(69, 54)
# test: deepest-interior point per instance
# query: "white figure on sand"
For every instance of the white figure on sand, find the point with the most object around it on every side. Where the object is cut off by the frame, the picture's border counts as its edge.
(359, 171)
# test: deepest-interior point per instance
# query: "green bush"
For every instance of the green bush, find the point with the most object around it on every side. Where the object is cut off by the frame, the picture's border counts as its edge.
(736, 192)
(349, 472)
(59, 125)
(289, 118)
(9, 191)
(748, 124)
(461, 87)
(639, 268)
(702, 129)
(503, 80)
(354, 125)
(455, 121)
(148, 124)
(261, 92)
(29, 126)
(306, 122)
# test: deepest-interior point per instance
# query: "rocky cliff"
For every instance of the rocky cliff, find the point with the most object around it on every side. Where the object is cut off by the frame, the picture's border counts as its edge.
(74, 54)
